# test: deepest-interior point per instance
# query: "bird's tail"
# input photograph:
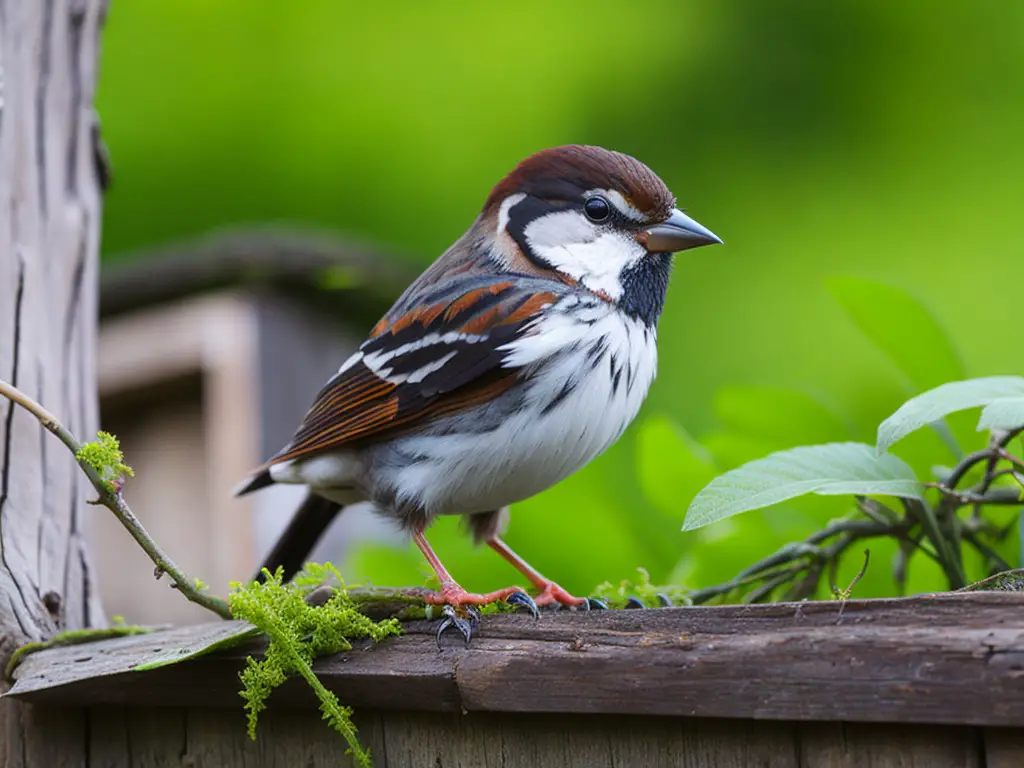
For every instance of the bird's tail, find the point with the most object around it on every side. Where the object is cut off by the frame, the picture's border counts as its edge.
(254, 482)
(294, 546)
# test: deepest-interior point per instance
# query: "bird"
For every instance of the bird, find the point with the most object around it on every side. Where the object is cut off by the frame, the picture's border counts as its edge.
(521, 354)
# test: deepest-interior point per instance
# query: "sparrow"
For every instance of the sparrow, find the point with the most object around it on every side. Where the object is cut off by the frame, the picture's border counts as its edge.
(515, 359)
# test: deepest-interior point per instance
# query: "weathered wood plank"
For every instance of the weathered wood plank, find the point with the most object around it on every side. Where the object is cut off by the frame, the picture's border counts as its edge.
(171, 737)
(215, 738)
(943, 659)
(45, 736)
(1002, 747)
(49, 236)
(857, 745)
(505, 741)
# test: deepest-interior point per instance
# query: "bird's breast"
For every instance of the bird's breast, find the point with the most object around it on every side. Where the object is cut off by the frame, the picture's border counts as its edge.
(586, 371)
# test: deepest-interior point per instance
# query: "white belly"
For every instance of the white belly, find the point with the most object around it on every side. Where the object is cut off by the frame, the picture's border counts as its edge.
(531, 450)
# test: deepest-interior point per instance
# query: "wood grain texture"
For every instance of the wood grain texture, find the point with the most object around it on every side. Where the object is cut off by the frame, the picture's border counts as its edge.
(863, 745)
(166, 737)
(945, 659)
(49, 237)
(1002, 747)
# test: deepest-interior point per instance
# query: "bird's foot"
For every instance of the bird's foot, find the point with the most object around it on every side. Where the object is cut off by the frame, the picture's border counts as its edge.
(460, 613)
(551, 593)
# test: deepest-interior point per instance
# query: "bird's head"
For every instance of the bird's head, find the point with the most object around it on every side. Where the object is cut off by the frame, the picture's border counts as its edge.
(595, 217)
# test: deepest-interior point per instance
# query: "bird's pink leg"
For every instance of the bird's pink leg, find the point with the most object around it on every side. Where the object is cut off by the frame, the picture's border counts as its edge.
(550, 592)
(451, 593)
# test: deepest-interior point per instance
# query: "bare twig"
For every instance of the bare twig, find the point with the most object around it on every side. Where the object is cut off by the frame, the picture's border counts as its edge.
(1000, 563)
(966, 465)
(949, 558)
(113, 501)
(1017, 462)
(803, 560)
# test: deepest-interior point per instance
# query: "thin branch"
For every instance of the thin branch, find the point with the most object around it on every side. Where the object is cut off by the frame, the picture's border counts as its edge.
(1017, 462)
(965, 466)
(997, 497)
(948, 557)
(113, 501)
(971, 538)
(805, 558)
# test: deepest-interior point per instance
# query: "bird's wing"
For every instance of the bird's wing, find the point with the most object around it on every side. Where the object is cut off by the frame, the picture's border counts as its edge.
(441, 357)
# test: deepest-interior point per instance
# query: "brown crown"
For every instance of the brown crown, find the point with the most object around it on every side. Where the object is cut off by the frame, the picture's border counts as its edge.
(566, 172)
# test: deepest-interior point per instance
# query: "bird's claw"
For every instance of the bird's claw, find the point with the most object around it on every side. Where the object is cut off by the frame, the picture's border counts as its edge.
(593, 604)
(635, 602)
(523, 599)
(465, 626)
(664, 600)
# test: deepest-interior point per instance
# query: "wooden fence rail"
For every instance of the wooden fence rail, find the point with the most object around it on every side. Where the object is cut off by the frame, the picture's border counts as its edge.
(780, 684)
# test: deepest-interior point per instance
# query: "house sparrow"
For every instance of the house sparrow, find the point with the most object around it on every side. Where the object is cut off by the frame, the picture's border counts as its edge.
(522, 353)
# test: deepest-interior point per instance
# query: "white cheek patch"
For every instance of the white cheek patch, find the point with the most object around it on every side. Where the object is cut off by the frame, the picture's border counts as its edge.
(555, 230)
(594, 256)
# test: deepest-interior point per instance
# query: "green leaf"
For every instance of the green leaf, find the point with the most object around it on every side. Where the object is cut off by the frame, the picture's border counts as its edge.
(903, 328)
(937, 403)
(831, 469)
(671, 466)
(781, 415)
(1006, 413)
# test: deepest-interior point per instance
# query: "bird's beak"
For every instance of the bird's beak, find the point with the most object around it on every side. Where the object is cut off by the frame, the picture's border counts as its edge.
(677, 233)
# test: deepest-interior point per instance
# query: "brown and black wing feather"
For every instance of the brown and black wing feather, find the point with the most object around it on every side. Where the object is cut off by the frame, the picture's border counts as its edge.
(440, 357)
(443, 356)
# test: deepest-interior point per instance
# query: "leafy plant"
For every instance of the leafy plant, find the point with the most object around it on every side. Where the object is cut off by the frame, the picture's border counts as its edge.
(638, 593)
(299, 631)
(956, 518)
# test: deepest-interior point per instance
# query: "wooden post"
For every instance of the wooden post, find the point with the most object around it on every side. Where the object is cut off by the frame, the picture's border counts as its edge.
(50, 200)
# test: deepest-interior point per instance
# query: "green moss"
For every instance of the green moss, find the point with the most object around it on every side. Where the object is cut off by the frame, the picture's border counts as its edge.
(299, 632)
(105, 457)
(616, 595)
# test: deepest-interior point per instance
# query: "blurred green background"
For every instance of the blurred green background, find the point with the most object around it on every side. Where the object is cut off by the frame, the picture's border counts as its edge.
(873, 139)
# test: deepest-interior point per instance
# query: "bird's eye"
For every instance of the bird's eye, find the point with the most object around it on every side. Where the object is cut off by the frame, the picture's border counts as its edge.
(597, 209)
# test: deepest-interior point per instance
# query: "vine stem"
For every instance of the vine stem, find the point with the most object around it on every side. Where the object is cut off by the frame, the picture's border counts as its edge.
(114, 501)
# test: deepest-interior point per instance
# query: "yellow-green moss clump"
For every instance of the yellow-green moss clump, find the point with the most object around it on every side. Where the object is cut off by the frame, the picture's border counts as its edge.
(298, 633)
(104, 455)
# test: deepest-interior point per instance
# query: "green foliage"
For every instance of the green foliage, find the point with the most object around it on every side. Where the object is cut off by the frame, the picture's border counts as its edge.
(616, 595)
(845, 593)
(777, 416)
(105, 457)
(832, 469)
(1006, 414)
(671, 465)
(860, 470)
(299, 632)
(934, 404)
(817, 138)
(907, 332)
(901, 327)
